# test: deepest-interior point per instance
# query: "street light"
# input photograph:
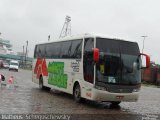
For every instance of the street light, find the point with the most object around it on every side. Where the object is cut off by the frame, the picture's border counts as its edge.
(143, 42)
(23, 57)
(142, 75)
(49, 37)
(26, 52)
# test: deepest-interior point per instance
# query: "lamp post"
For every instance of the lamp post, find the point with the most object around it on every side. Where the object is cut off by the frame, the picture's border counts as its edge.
(26, 53)
(0, 35)
(23, 57)
(143, 42)
(142, 75)
(49, 37)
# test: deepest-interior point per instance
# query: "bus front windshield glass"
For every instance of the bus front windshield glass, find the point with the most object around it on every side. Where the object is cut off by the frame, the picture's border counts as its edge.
(119, 62)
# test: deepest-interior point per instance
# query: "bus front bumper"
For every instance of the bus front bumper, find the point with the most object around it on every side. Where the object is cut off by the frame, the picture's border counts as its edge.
(100, 95)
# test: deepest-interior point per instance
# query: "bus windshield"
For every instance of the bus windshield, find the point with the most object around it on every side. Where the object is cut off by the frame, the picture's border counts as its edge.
(119, 62)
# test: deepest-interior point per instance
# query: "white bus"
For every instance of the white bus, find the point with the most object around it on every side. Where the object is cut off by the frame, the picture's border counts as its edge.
(90, 66)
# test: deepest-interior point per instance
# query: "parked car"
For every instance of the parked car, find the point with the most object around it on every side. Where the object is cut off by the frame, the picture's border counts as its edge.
(5, 65)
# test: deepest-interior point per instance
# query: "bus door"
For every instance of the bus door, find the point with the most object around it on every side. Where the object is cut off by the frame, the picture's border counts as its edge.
(88, 65)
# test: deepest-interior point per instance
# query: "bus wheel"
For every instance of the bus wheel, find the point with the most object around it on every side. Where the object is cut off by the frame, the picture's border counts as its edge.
(77, 93)
(41, 86)
(115, 103)
(41, 83)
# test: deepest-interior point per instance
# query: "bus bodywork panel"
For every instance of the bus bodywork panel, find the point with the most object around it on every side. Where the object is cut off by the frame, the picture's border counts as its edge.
(60, 74)
(100, 95)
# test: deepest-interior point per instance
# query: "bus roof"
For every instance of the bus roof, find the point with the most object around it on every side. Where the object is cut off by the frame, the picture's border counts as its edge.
(84, 36)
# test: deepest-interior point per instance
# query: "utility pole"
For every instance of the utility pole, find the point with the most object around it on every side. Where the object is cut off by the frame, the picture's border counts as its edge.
(26, 53)
(23, 57)
(142, 75)
(0, 33)
(66, 30)
(143, 42)
(49, 37)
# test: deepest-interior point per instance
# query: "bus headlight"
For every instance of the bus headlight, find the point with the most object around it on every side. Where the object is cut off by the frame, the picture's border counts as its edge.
(136, 90)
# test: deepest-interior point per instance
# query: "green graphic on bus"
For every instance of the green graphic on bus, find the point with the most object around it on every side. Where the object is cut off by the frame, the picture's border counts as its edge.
(56, 74)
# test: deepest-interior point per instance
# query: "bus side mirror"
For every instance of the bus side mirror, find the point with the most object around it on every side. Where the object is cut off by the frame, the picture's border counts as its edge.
(146, 63)
(95, 55)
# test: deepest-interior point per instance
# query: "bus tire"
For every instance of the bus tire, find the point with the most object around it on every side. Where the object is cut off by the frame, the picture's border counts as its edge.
(41, 86)
(77, 93)
(115, 103)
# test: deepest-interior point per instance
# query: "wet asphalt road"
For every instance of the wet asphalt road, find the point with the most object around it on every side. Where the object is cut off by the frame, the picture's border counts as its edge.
(27, 98)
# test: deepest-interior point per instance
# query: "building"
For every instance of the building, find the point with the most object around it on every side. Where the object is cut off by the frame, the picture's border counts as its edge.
(7, 54)
(5, 47)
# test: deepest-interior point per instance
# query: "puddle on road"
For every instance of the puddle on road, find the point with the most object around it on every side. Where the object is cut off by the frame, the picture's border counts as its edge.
(6, 86)
(28, 98)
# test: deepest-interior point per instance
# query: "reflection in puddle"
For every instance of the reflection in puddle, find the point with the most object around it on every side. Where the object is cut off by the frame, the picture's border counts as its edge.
(10, 83)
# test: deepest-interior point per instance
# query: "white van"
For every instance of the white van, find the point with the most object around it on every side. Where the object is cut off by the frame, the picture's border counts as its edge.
(14, 65)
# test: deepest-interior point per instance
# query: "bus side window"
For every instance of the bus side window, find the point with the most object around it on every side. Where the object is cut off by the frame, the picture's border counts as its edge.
(76, 49)
(88, 66)
(38, 52)
(65, 49)
(35, 52)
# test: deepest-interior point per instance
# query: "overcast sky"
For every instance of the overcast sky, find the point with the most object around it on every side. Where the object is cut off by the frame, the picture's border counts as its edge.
(34, 20)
